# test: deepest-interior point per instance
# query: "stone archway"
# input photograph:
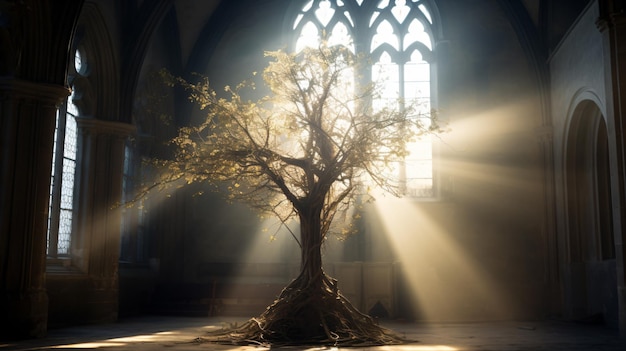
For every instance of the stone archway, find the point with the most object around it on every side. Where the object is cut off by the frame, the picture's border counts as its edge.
(590, 283)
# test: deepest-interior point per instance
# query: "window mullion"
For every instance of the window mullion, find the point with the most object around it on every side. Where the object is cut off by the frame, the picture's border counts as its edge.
(402, 107)
(57, 179)
(391, 32)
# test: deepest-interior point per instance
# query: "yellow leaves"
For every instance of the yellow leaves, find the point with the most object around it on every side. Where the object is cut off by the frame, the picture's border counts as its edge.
(189, 179)
(277, 150)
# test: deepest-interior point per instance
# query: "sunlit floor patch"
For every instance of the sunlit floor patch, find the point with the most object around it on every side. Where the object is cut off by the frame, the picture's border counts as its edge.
(90, 345)
(418, 348)
(139, 338)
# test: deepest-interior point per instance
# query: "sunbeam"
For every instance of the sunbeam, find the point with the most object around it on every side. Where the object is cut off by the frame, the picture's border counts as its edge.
(457, 253)
(444, 280)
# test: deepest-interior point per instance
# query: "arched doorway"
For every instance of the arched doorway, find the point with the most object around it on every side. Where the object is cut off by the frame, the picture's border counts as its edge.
(590, 273)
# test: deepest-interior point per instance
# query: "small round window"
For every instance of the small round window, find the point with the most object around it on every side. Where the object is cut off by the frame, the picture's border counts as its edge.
(78, 62)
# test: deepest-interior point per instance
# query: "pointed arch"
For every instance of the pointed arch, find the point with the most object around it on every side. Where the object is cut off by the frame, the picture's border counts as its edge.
(97, 87)
(589, 242)
(386, 31)
(590, 234)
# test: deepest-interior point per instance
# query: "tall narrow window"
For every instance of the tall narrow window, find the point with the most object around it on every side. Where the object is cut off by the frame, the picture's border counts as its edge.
(61, 202)
(398, 36)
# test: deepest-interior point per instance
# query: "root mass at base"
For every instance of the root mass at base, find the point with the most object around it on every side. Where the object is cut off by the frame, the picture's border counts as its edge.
(309, 311)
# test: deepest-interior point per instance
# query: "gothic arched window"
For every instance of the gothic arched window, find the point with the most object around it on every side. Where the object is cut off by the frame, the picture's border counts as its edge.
(398, 36)
(61, 204)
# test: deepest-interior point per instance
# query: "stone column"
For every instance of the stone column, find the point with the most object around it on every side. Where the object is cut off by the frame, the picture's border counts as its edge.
(612, 24)
(99, 176)
(27, 122)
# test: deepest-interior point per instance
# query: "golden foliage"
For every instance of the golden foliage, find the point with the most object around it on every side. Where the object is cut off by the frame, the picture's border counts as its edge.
(314, 141)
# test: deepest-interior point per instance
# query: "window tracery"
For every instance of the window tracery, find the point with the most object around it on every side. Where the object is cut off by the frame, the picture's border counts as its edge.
(398, 36)
(61, 203)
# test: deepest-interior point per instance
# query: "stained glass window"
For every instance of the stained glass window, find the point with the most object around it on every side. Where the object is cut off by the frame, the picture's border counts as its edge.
(398, 36)
(61, 204)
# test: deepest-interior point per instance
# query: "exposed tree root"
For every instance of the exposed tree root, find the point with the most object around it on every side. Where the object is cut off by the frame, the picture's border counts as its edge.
(309, 312)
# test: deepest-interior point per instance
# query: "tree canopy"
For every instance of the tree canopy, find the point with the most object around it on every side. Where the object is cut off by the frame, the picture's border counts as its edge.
(314, 139)
(308, 150)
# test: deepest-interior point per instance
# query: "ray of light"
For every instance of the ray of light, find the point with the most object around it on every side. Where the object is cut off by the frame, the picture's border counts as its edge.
(485, 184)
(273, 243)
(441, 276)
(489, 163)
(268, 262)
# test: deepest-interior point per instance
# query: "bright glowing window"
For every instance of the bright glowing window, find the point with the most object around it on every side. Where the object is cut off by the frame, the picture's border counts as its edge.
(398, 36)
(61, 204)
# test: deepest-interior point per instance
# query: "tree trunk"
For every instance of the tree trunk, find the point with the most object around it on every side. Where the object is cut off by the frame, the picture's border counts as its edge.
(310, 310)
(311, 240)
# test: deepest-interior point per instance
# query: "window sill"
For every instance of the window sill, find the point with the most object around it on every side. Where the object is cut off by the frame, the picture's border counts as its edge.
(61, 266)
(430, 199)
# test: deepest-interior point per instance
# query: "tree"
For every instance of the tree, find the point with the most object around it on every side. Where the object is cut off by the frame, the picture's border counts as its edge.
(309, 150)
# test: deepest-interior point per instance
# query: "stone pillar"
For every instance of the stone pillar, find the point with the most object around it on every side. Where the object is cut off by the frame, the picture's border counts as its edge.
(99, 176)
(27, 122)
(612, 24)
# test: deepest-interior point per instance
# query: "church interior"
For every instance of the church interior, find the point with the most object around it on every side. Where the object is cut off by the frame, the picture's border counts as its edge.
(512, 213)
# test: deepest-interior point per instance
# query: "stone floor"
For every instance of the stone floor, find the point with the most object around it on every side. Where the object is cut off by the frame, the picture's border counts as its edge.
(177, 333)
